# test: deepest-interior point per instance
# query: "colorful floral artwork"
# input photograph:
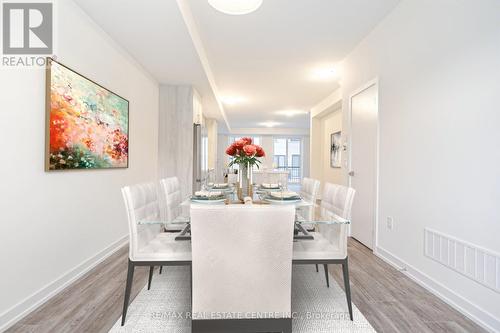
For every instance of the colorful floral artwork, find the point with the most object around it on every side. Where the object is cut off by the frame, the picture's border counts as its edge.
(87, 124)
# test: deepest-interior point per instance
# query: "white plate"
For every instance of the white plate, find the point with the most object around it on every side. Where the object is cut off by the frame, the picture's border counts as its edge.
(277, 187)
(283, 202)
(284, 194)
(208, 201)
(221, 189)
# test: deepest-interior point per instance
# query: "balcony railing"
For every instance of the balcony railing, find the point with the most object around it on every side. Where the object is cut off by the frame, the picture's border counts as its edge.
(294, 173)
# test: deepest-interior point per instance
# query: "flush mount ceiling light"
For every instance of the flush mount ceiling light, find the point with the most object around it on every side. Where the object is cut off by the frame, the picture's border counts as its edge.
(236, 7)
(291, 112)
(327, 73)
(269, 124)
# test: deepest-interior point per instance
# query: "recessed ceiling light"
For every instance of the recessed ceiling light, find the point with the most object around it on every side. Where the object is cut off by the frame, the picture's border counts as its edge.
(291, 112)
(325, 73)
(233, 100)
(269, 124)
(236, 7)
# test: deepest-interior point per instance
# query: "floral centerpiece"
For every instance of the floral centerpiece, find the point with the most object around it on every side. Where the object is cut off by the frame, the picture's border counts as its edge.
(246, 155)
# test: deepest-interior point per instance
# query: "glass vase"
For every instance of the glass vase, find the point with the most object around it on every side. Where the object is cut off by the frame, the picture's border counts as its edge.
(245, 179)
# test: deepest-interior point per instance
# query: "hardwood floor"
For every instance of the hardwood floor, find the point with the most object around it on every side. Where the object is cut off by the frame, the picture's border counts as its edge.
(392, 302)
(389, 300)
(90, 305)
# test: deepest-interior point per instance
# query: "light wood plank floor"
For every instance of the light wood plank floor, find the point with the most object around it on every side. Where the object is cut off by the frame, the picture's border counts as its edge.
(389, 300)
(394, 303)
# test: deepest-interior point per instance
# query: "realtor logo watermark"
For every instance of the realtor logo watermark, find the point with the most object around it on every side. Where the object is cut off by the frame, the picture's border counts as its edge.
(27, 33)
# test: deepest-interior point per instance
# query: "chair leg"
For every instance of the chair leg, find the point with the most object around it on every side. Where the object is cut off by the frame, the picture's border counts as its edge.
(161, 269)
(326, 275)
(288, 327)
(128, 288)
(317, 269)
(151, 269)
(347, 286)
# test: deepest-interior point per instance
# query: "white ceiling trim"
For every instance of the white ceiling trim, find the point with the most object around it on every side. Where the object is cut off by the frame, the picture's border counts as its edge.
(270, 131)
(187, 15)
(331, 100)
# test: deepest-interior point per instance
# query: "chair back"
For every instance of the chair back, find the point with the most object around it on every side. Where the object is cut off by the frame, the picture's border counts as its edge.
(141, 203)
(310, 189)
(336, 200)
(232, 178)
(309, 192)
(242, 259)
(171, 198)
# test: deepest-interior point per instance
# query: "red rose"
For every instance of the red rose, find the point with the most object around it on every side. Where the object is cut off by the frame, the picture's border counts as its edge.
(231, 150)
(250, 150)
(239, 144)
(260, 151)
(248, 140)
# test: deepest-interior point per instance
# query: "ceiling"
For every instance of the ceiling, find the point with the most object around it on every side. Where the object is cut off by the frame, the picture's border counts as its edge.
(266, 57)
(153, 32)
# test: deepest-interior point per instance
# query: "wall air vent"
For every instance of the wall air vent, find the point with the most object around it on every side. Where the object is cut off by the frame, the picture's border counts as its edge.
(476, 263)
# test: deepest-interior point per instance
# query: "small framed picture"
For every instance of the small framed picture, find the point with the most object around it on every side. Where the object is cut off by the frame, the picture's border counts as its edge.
(336, 150)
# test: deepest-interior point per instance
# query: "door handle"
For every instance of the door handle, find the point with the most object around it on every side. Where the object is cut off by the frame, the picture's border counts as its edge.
(351, 173)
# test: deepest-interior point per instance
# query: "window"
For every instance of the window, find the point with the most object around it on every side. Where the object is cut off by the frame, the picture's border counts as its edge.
(204, 153)
(288, 157)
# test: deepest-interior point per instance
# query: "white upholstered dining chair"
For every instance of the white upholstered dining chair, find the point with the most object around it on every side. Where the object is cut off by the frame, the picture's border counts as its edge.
(148, 244)
(309, 192)
(172, 195)
(170, 205)
(329, 245)
(242, 264)
(232, 178)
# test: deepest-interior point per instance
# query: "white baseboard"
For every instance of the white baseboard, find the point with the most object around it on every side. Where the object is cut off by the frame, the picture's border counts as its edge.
(30, 303)
(472, 311)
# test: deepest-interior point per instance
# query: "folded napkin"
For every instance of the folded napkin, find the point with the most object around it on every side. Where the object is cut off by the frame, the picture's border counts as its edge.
(208, 194)
(220, 185)
(285, 195)
(267, 185)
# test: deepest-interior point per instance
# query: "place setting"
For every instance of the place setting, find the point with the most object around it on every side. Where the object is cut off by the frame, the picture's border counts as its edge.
(209, 197)
(283, 197)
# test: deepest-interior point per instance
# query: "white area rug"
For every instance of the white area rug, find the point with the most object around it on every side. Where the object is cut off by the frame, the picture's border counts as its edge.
(316, 308)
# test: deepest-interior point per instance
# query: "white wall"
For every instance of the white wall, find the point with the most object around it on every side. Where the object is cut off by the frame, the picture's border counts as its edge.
(267, 143)
(212, 131)
(326, 118)
(330, 123)
(54, 225)
(222, 160)
(176, 135)
(438, 65)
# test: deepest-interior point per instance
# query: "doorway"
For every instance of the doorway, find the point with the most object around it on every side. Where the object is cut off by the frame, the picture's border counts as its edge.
(363, 175)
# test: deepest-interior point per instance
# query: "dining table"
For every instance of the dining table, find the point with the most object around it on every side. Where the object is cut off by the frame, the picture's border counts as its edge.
(260, 197)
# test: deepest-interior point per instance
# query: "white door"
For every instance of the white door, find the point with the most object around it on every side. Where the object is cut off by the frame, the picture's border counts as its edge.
(363, 170)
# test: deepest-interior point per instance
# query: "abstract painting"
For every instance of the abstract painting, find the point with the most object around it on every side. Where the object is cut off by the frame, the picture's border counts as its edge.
(335, 151)
(87, 125)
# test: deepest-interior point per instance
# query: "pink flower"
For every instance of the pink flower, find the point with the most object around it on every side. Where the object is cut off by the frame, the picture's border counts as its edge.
(260, 151)
(248, 140)
(239, 144)
(250, 150)
(231, 150)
